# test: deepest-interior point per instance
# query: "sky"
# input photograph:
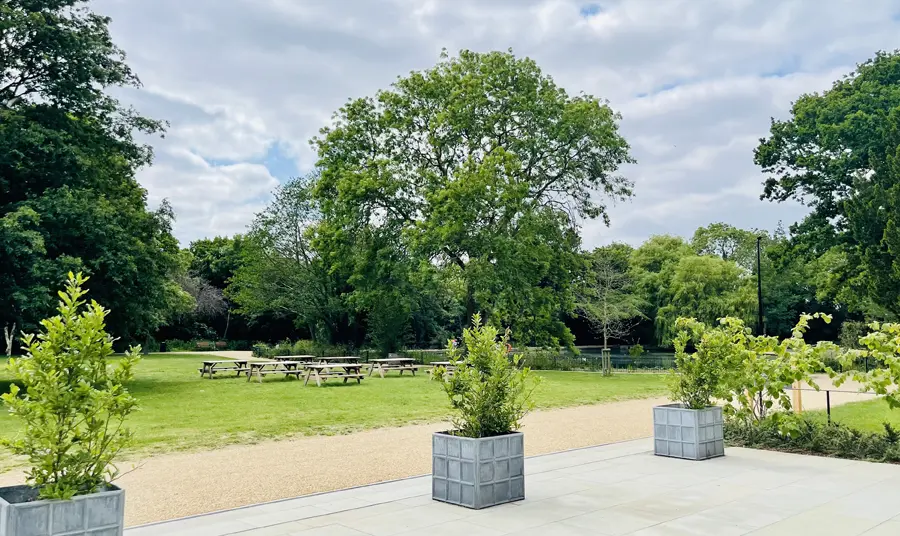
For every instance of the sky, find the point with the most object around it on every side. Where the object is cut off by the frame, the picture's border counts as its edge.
(245, 84)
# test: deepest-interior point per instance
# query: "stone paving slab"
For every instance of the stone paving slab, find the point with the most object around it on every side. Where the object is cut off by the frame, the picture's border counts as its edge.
(610, 490)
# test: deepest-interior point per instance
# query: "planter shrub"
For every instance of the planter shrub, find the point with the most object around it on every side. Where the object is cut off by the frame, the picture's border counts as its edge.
(692, 427)
(480, 462)
(74, 404)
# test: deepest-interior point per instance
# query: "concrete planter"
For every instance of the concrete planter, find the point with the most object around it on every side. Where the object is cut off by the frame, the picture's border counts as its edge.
(97, 514)
(477, 473)
(692, 434)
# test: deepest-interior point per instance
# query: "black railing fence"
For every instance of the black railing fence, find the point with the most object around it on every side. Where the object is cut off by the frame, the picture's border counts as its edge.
(830, 402)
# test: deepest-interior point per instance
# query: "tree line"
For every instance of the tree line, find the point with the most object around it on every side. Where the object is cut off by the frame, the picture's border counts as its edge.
(459, 189)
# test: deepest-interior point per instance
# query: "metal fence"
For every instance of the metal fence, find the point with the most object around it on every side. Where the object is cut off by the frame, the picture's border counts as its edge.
(837, 405)
(589, 359)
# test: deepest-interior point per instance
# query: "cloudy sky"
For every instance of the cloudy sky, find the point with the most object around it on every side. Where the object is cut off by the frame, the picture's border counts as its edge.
(246, 83)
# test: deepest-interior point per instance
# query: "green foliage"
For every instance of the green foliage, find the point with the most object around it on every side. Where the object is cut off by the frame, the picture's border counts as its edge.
(851, 333)
(549, 359)
(488, 391)
(301, 347)
(728, 243)
(69, 200)
(281, 273)
(479, 168)
(749, 373)
(840, 154)
(636, 351)
(699, 379)
(703, 287)
(763, 368)
(606, 296)
(809, 435)
(73, 401)
(882, 348)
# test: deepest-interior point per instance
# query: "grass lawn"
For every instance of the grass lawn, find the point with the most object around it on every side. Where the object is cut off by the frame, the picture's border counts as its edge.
(179, 410)
(868, 416)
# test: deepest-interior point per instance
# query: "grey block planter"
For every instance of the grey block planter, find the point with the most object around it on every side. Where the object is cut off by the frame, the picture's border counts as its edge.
(692, 434)
(98, 514)
(477, 473)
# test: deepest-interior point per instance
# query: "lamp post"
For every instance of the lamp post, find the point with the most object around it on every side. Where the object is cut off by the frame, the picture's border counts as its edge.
(760, 327)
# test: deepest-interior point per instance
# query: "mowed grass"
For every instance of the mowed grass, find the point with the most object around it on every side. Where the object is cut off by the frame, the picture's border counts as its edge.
(180, 411)
(868, 416)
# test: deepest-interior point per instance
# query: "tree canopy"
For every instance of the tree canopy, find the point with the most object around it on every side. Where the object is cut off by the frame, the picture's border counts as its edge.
(69, 200)
(480, 167)
(840, 153)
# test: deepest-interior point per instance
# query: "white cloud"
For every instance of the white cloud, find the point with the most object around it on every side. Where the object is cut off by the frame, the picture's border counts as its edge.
(209, 200)
(695, 80)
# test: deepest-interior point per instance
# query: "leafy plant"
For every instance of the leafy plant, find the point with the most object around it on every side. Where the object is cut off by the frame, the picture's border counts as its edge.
(882, 349)
(763, 369)
(489, 391)
(700, 375)
(74, 402)
(811, 436)
(751, 374)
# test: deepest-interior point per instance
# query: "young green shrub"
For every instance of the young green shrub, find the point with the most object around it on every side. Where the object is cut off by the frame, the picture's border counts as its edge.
(750, 374)
(699, 376)
(489, 391)
(636, 351)
(881, 348)
(73, 401)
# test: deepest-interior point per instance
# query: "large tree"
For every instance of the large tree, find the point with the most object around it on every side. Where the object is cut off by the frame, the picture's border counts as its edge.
(280, 273)
(481, 167)
(68, 156)
(840, 153)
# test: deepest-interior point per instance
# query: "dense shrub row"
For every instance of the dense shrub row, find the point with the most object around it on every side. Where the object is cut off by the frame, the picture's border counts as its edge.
(175, 345)
(807, 435)
(303, 347)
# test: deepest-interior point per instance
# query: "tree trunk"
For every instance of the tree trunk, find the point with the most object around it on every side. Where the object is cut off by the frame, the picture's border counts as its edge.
(9, 335)
(470, 304)
(227, 323)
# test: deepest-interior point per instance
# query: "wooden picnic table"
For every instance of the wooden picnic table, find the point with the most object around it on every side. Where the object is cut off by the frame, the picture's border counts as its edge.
(264, 368)
(322, 371)
(394, 363)
(211, 366)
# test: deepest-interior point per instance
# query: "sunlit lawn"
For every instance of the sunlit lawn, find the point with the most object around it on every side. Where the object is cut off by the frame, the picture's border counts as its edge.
(179, 410)
(868, 416)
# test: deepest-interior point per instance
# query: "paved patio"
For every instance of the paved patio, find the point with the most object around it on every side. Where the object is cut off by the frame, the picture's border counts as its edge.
(607, 490)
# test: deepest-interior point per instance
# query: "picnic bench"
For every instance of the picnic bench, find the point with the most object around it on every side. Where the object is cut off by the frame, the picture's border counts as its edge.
(211, 367)
(322, 371)
(394, 363)
(204, 345)
(266, 368)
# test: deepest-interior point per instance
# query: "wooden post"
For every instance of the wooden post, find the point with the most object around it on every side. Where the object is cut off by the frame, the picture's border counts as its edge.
(798, 398)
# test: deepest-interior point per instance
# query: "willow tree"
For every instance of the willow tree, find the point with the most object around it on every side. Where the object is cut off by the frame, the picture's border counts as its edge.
(482, 168)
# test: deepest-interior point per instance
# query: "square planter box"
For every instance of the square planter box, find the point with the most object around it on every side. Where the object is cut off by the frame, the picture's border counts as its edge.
(97, 514)
(692, 434)
(477, 473)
